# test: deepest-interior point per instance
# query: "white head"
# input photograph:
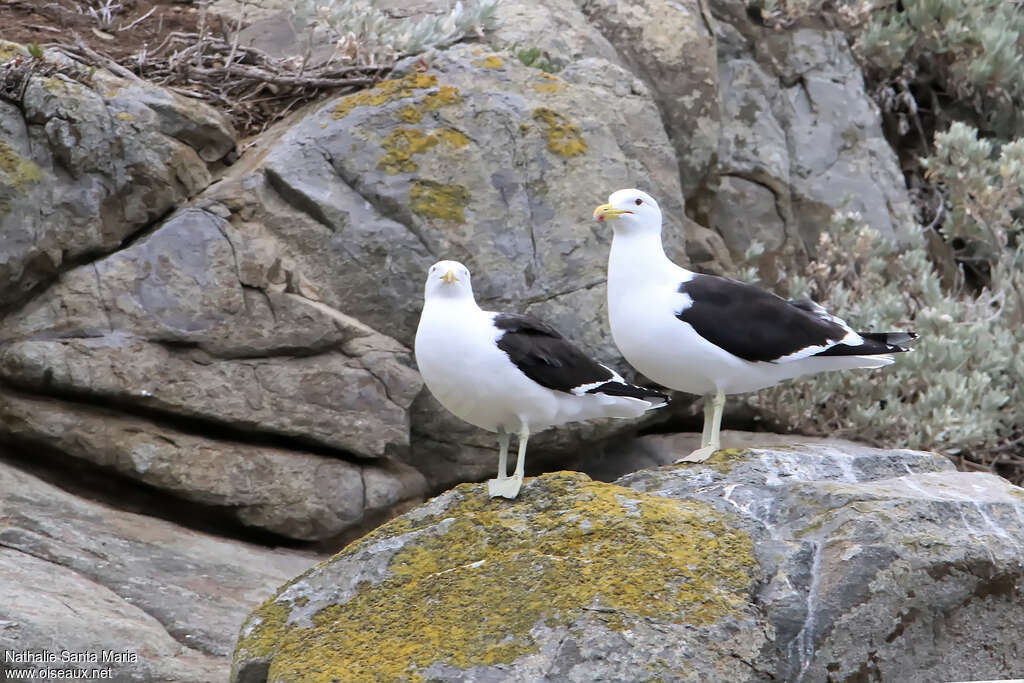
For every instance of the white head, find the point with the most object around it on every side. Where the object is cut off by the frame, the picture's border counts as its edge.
(449, 280)
(630, 212)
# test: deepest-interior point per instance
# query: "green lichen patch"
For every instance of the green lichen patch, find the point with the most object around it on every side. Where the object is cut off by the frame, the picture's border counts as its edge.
(564, 137)
(467, 589)
(55, 86)
(403, 143)
(383, 92)
(437, 200)
(536, 58)
(15, 170)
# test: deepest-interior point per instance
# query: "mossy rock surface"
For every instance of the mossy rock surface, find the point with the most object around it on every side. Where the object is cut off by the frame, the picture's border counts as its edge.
(809, 562)
(466, 585)
(86, 163)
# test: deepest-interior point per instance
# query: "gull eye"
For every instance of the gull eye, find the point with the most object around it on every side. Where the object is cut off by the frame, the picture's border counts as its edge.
(639, 201)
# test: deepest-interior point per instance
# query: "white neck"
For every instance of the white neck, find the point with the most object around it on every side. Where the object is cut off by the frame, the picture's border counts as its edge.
(450, 305)
(638, 258)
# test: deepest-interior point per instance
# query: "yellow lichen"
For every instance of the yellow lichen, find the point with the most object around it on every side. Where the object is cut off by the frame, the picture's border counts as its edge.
(9, 50)
(452, 137)
(125, 116)
(403, 143)
(722, 460)
(445, 96)
(262, 631)
(546, 83)
(55, 85)
(410, 114)
(564, 137)
(400, 146)
(438, 200)
(468, 590)
(383, 92)
(490, 62)
(15, 170)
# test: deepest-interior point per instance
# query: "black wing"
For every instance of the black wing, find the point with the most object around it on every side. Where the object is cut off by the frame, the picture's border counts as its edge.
(756, 325)
(554, 362)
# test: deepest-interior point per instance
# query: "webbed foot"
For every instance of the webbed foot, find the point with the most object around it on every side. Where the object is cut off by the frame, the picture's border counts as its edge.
(505, 488)
(699, 455)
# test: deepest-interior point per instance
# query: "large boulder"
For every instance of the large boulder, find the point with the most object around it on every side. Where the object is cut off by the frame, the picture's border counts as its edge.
(213, 382)
(173, 324)
(479, 158)
(548, 35)
(614, 458)
(813, 562)
(88, 159)
(800, 138)
(290, 492)
(671, 45)
(83, 577)
(466, 588)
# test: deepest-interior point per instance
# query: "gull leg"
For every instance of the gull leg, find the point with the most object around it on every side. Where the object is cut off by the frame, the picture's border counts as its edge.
(509, 486)
(503, 439)
(705, 437)
(714, 440)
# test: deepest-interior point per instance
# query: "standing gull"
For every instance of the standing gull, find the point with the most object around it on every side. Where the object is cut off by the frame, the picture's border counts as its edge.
(507, 373)
(711, 335)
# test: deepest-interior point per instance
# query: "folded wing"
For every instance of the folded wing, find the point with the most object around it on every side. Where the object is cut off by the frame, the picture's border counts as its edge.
(759, 326)
(552, 361)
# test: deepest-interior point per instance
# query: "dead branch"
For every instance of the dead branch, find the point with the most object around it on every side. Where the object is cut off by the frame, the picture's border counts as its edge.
(278, 79)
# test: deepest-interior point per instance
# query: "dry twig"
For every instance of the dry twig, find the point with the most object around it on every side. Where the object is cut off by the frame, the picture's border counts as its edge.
(252, 87)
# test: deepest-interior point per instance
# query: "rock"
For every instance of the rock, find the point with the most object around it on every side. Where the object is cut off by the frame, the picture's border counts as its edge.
(293, 493)
(468, 589)
(183, 323)
(671, 45)
(37, 620)
(478, 158)
(813, 562)
(800, 138)
(549, 35)
(83, 577)
(876, 563)
(89, 160)
(214, 383)
(245, 12)
(618, 457)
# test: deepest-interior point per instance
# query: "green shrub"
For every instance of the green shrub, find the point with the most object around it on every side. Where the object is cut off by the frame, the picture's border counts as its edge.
(967, 50)
(961, 391)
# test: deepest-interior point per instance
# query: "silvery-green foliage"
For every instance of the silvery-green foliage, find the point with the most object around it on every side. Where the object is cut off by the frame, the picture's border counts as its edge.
(969, 48)
(985, 186)
(368, 34)
(962, 388)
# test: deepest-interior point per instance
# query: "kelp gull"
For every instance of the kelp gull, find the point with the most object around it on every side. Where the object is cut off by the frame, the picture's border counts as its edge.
(507, 373)
(714, 336)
